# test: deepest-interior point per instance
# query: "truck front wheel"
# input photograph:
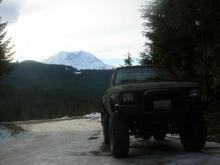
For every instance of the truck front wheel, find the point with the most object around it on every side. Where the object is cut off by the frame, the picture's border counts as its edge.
(193, 134)
(119, 136)
(105, 126)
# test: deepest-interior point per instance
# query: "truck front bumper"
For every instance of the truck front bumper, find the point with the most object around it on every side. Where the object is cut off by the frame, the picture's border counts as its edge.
(133, 112)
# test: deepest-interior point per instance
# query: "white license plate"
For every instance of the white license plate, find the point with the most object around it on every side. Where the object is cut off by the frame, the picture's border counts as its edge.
(162, 104)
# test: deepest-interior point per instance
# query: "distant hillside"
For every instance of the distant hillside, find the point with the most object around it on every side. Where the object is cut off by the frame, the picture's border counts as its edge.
(30, 74)
(36, 90)
(79, 60)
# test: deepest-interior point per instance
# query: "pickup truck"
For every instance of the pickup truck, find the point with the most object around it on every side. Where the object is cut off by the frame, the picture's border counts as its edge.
(148, 101)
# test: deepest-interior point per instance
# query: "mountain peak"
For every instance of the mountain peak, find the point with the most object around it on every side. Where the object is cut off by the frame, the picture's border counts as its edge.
(78, 59)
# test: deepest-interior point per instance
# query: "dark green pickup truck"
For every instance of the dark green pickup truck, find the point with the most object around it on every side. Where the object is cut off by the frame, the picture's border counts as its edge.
(147, 101)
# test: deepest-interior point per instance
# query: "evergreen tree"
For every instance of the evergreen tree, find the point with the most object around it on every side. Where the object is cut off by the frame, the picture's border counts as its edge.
(128, 60)
(5, 49)
(145, 59)
(184, 35)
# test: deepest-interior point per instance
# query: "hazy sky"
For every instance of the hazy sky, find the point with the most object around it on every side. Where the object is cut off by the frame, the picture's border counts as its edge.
(105, 28)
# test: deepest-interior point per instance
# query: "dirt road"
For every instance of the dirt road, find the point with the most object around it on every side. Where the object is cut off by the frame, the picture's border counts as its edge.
(79, 142)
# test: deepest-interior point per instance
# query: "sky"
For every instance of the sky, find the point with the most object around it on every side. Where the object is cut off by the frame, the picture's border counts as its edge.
(109, 29)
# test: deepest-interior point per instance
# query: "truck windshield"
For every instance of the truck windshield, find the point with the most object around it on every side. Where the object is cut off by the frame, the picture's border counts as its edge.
(142, 74)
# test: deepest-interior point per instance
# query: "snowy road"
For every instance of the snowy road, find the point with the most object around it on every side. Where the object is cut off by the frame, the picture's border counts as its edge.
(79, 142)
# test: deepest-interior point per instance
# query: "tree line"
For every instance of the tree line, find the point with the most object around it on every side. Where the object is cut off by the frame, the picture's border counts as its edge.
(184, 36)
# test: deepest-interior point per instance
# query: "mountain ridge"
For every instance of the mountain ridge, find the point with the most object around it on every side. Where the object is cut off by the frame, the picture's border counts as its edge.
(80, 60)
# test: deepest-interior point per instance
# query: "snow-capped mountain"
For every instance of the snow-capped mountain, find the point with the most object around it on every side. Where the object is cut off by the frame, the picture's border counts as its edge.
(79, 60)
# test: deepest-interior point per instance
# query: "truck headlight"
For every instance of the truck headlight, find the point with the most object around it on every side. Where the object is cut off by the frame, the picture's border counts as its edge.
(194, 93)
(127, 97)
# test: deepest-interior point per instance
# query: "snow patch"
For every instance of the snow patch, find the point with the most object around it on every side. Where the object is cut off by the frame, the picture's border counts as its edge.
(65, 118)
(68, 68)
(80, 142)
(77, 73)
(9, 131)
(93, 115)
(5, 133)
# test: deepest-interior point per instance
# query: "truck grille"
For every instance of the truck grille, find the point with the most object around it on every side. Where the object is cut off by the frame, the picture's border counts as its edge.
(177, 98)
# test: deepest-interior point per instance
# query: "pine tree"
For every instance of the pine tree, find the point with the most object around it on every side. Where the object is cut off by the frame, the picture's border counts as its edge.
(145, 59)
(128, 60)
(5, 49)
(184, 35)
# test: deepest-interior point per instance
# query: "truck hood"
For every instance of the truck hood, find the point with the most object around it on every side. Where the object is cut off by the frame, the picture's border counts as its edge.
(155, 85)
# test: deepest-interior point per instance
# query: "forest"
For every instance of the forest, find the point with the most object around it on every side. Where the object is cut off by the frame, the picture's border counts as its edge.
(32, 90)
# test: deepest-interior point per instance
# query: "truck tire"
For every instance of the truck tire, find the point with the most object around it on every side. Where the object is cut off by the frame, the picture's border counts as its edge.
(105, 127)
(119, 136)
(193, 134)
